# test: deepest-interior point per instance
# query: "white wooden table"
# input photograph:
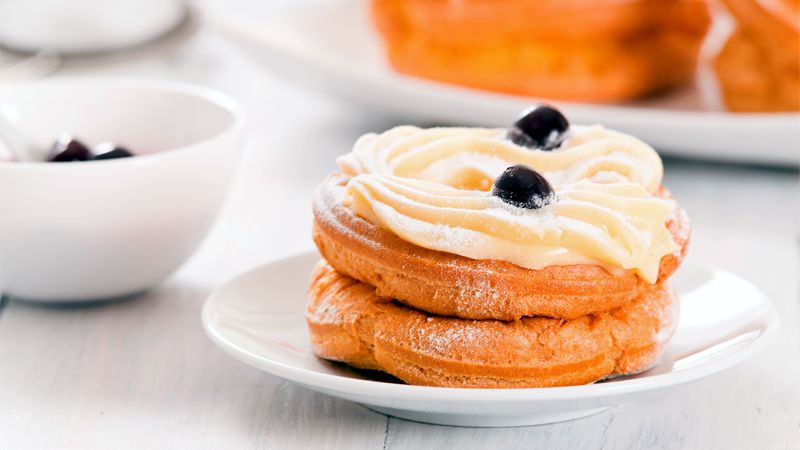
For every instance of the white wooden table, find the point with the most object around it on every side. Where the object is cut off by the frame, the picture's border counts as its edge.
(142, 374)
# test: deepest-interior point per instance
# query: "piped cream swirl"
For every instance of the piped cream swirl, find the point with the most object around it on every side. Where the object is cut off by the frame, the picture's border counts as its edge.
(432, 187)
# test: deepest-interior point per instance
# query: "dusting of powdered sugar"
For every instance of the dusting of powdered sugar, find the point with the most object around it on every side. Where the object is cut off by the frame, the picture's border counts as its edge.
(444, 339)
(328, 201)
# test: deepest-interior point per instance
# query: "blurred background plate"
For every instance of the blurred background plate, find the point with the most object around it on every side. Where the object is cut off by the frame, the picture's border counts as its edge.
(331, 46)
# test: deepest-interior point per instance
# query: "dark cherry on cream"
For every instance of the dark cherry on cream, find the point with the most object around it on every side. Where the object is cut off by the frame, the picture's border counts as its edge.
(523, 187)
(541, 127)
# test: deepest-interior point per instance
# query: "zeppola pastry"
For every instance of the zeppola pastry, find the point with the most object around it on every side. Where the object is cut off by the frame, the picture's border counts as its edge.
(608, 50)
(469, 257)
(758, 68)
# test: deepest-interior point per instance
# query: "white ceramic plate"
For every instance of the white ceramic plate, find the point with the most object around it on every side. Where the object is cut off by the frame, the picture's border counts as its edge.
(259, 318)
(331, 46)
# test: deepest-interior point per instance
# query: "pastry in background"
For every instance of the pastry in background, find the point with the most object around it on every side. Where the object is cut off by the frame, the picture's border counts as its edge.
(758, 68)
(604, 51)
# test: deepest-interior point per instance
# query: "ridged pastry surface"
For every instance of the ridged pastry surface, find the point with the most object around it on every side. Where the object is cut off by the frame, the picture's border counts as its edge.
(449, 284)
(348, 322)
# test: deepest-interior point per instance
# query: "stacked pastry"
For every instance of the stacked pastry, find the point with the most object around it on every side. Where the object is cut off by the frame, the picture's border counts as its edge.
(608, 50)
(759, 67)
(468, 257)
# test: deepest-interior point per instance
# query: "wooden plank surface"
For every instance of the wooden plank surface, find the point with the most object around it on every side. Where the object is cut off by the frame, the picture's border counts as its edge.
(141, 374)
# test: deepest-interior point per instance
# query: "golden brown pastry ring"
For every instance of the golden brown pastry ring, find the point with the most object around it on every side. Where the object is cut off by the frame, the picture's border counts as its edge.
(758, 68)
(348, 322)
(452, 285)
(585, 50)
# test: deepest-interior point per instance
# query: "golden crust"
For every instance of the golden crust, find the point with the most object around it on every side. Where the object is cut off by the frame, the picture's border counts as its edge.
(576, 50)
(758, 68)
(451, 285)
(348, 322)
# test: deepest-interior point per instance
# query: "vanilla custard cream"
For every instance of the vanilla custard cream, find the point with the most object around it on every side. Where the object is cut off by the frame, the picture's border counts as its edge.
(432, 187)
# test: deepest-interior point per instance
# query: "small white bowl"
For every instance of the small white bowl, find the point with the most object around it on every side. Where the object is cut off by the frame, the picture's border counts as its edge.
(102, 229)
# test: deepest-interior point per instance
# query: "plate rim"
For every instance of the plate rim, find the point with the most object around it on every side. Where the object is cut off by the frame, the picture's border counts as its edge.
(675, 131)
(376, 389)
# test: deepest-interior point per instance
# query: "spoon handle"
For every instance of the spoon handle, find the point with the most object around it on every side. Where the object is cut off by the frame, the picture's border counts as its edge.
(20, 145)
